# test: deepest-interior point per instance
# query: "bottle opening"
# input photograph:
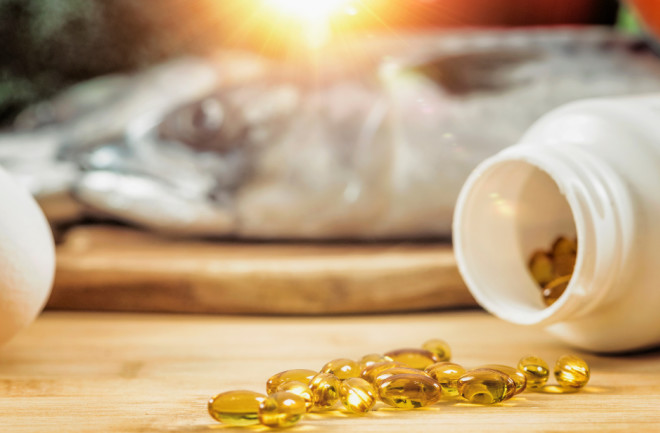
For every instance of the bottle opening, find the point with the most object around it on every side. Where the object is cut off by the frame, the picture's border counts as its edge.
(508, 210)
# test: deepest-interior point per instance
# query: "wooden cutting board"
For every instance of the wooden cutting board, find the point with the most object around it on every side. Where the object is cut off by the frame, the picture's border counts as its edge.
(120, 269)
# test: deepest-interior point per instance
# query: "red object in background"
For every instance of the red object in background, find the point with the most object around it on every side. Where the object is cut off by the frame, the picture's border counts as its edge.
(452, 13)
(387, 16)
(649, 12)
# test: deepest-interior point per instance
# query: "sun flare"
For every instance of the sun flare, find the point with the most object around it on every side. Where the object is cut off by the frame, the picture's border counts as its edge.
(313, 19)
(309, 10)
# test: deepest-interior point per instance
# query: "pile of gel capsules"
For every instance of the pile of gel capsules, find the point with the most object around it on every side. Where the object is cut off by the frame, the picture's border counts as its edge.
(403, 378)
(553, 269)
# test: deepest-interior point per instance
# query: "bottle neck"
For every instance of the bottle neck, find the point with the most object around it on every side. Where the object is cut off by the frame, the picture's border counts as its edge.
(520, 201)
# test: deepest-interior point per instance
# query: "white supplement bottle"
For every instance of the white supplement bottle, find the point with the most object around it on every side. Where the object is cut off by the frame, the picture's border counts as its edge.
(590, 170)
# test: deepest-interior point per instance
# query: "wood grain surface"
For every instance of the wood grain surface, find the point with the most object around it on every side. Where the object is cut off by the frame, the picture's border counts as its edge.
(118, 372)
(117, 269)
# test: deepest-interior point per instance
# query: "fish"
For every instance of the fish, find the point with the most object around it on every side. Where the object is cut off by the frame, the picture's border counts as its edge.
(365, 140)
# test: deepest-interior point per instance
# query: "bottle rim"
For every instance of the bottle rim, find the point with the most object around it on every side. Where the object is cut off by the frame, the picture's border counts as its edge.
(589, 188)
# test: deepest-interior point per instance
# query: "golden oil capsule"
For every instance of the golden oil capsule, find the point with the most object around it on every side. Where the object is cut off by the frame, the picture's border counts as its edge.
(325, 389)
(236, 408)
(571, 372)
(300, 375)
(439, 347)
(564, 265)
(542, 268)
(409, 391)
(397, 370)
(342, 368)
(518, 377)
(357, 395)
(299, 389)
(485, 386)
(554, 289)
(535, 370)
(564, 246)
(371, 359)
(370, 373)
(415, 358)
(281, 409)
(446, 374)
(511, 385)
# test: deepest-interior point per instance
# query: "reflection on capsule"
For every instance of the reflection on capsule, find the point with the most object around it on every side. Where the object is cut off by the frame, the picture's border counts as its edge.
(535, 370)
(446, 374)
(485, 386)
(342, 368)
(281, 409)
(325, 389)
(300, 375)
(357, 395)
(517, 376)
(571, 372)
(301, 390)
(409, 391)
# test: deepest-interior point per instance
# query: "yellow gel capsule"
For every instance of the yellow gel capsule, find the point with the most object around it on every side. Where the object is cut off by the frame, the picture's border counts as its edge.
(409, 391)
(371, 359)
(554, 289)
(518, 377)
(342, 368)
(397, 370)
(571, 372)
(542, 268)
(564, 246)
(370, 373)
(300, 375)
(325, 389)
(485, 386)
(236, 408)
(446, 374)
(564, 265)
(535, 370)
(439, 347)
(357, 395)
(415, 358)
(281, 409)
(299, 389)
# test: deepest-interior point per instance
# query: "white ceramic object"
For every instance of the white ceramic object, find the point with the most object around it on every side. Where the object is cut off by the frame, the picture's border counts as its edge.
(590, 169)
(27, 258)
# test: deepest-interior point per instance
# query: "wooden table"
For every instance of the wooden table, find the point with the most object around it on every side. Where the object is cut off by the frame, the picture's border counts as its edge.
(105, 372)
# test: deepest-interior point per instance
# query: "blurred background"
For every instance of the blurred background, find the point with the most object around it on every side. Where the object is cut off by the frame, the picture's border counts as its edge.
(284, 156)
(48, 45)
